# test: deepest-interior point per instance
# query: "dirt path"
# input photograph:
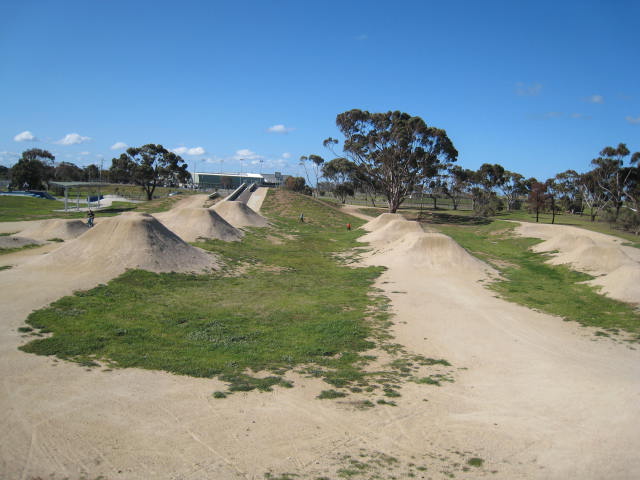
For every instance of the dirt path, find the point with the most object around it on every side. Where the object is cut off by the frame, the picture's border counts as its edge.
(354, 211)
(534, 397)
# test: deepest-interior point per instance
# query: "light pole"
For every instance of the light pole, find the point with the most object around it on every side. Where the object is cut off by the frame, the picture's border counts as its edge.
(195, 169)
(100, 181)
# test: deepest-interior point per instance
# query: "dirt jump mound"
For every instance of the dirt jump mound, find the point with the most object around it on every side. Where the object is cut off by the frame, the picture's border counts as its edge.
(190, 224)
(381, 221)
(239, 215)
(432, 251)
(392, 231)
(56, 228)
(623, 283)
(593, 253)
(595, 259)
(131, 240)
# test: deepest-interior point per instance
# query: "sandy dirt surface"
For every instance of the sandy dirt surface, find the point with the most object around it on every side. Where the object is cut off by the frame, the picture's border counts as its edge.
(192, 224)
(615, 266)
(239, 214)
(257, 198)
(533, 396)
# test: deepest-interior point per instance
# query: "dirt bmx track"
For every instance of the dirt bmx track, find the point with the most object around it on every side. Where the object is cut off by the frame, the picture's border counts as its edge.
(534, 397)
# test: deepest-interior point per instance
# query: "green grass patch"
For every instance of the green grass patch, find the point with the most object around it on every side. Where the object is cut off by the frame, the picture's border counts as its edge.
(331, 394)
(277, 305)
(529, 281)
(475, 462)
(4, 251)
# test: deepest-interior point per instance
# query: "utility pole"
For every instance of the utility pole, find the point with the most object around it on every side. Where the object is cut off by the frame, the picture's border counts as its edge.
(100, 181)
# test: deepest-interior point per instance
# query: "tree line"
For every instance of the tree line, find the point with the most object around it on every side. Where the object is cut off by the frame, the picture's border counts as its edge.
(36, 168)
(148, 166)
(399, 155)
(396, 155)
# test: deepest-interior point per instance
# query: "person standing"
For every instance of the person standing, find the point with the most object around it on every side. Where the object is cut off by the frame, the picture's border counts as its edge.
(90, 217)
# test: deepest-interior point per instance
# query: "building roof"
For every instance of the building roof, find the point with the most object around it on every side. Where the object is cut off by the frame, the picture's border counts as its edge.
(243, 175)
(78, 184)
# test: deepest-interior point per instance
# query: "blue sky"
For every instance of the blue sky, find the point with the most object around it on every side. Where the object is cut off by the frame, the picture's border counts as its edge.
(538, 87)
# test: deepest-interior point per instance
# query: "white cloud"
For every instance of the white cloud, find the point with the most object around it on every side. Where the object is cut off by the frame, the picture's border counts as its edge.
(25, 136)
(84, 153)
(246, 154)
(632, 120)
(279, 129)
(595, 99)
(73, 139)
(196, 151)
(286, 155)
(189, 151)
(525, 90)
(553, 114)
(119, 146)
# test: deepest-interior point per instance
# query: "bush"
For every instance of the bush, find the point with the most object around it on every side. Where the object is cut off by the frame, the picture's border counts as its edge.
(629, 221)
(486, 204)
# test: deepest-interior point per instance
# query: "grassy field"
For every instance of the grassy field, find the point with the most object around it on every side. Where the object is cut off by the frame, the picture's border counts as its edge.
(285, 300)
(129, 191)
(529, 281)
(14, 209)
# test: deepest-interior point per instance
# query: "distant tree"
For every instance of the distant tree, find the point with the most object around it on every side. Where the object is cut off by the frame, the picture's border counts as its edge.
(34, 168)
(568, 187)
(339, 170)
(593, 195)
(4, 172)
(394, 150)
(121, 170)
(632, 185)
(433, 188)
(610, 174)
(149, 166)
(537, 198)
(456, 183)
(91, 173)
(491, 176)
(344, 190)
(316, 162)
(483, 184)
(297, 184)
(342, 174)
(512, 187)
(67, 172)
(552, 193)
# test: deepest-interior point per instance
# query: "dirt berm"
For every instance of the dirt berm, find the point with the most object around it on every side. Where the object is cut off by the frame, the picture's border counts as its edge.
(191, 224)
(131, 240)
(239, 215)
